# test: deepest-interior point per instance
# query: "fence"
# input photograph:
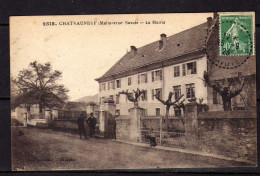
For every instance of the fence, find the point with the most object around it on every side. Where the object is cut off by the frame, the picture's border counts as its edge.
(174, 137)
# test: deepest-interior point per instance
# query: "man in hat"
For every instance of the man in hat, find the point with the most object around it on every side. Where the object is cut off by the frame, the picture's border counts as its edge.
(81, 126)
(92, 125)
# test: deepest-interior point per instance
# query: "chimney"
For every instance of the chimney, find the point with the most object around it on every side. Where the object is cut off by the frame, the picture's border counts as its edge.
(215, 15)
(163, 36)
(133, 49)
(162, 41)
(209, 21)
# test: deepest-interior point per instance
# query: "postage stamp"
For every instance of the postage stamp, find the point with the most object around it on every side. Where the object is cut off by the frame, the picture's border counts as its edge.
(236, 34)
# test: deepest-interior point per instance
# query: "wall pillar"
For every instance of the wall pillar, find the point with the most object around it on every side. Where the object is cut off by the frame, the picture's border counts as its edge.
(135, 124)
(191, 125)
(25, 117)
(55, 113)
(48, 115)
(109, 108)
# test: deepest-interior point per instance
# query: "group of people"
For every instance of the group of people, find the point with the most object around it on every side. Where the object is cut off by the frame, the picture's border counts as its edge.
(91, 123)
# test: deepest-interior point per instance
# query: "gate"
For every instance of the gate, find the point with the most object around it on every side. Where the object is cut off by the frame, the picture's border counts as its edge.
(174, 137)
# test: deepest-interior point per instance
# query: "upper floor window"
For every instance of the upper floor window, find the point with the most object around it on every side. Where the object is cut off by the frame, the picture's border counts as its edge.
(144, 96)
(190, 90)
(177, 92)
(176, 71)
(103, 86)
(158, 91)
(102, 100)
(156, 75)
(117, 98)
(129, 79)
(118, 83)
(142, 78)
(191, 68)
(157, 111)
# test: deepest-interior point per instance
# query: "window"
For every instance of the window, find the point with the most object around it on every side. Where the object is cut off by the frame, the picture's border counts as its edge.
(144, 96)
(177, 112)
(183, 70)
(160, 92)
(129, 81)
(103, 86)
(157, 112)
(102, 100)
(117, 112)
(177, 92)
(190, 90)
(157, 75)
(216, 98)
(117, 98)
(177, 71)
(118, 83)
(111, 97)
(142, 78)
(191, 68)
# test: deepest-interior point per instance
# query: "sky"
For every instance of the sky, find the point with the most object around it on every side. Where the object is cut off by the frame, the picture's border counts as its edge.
(85, 52)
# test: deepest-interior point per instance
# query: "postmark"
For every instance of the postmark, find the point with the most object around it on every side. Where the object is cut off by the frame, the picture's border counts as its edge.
(236, 35)
(230, 40)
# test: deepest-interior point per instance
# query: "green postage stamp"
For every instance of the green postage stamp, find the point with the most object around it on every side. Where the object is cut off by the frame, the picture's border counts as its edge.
(236, 34)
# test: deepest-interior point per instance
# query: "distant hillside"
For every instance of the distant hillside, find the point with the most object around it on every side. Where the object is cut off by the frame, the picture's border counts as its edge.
(87, 99)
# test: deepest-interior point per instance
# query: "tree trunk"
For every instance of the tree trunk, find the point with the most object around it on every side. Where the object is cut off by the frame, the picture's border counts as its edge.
(166, 117)
(226, 104)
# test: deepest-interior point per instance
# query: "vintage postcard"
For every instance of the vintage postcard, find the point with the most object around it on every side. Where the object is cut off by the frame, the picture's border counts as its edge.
(137, 91)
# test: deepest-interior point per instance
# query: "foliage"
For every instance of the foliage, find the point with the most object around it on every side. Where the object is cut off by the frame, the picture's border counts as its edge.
(38, 84)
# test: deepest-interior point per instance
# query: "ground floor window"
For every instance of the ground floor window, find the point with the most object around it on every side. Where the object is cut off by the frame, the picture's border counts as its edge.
(117, 112)
(177, 112)
(157, 111)
(190, 90)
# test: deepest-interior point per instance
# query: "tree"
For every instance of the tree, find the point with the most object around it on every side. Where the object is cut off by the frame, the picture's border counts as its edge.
(38, 84)
(227, 88)
(168, 103)
(134, 98)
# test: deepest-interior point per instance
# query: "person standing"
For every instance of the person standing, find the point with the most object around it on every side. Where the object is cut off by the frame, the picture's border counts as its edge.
(92, 125)
(81, 126)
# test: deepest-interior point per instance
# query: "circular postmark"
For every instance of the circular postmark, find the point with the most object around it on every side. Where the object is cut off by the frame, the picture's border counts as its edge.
(229, 41)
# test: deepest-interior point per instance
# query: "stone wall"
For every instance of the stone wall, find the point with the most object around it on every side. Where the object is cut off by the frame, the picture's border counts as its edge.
(123, 128)
(231, 134)
(67, 125)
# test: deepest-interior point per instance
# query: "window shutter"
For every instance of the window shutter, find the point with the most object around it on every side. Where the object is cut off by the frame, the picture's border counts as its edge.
(194, 68)
(145, 78)
(152, 94)
(183, 70)
(152, 76)
(161, 75)
(138, 79)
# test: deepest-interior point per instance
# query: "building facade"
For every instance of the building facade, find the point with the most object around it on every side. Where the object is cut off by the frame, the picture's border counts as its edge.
(173, 64)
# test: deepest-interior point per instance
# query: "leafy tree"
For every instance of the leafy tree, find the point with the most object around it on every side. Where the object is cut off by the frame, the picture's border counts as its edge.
(38, 84)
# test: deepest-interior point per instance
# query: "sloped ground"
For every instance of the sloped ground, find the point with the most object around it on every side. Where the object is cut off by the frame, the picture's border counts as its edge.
(39, 149)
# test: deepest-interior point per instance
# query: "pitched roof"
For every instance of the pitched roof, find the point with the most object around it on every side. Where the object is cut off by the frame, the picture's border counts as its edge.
(176, 45)
(75, 106)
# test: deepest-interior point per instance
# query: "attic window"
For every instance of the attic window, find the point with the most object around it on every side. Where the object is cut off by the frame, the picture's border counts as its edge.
(143, 55)
(179, 44)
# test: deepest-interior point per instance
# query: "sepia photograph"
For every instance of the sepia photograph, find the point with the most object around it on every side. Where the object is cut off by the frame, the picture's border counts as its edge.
(133, 91)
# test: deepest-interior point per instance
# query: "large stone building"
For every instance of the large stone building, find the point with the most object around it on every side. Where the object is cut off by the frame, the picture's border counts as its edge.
(172, 64)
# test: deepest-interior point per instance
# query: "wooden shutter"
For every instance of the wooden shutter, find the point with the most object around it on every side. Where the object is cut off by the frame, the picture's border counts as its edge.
(152, 94)
(138, 79)
(161, 75)
(152, 76)
(145, 78)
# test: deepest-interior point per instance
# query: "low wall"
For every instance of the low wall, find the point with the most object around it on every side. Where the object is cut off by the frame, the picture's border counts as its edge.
(153, 122)
(231, 134)
(123, 127)
(34, 122)
(67, 125)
